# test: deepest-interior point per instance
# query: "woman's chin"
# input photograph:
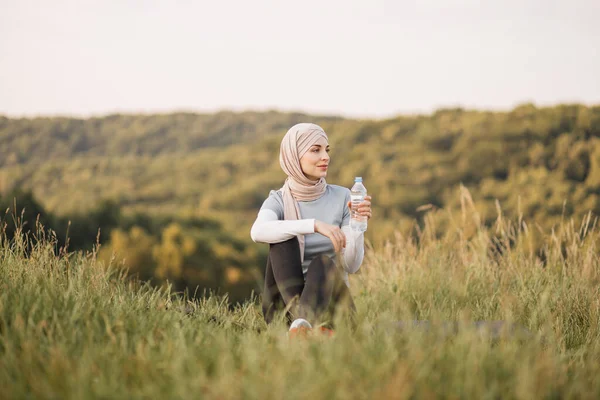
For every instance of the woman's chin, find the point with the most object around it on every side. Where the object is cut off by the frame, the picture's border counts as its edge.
(317, 177)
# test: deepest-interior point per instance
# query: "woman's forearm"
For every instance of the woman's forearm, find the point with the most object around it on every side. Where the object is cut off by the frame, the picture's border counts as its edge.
(269, 229)
(353, 254)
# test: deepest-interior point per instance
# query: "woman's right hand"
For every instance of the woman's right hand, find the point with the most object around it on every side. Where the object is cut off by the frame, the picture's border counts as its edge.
(334, 233)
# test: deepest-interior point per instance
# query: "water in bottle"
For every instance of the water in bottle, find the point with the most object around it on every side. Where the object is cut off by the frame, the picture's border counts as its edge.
(357, 195)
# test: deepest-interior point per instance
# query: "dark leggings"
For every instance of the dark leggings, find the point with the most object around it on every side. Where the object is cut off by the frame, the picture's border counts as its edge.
(323, 291)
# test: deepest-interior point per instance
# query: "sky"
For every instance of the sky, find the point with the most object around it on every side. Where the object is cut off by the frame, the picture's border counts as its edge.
(372, 59)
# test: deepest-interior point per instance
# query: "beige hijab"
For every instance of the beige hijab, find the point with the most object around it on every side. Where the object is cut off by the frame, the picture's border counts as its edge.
(297, 186)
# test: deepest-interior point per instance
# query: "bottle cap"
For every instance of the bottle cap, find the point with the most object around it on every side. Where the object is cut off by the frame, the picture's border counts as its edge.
(358, 179)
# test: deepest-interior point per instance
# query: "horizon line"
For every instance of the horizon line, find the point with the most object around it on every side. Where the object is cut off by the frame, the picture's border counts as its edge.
(313, 113)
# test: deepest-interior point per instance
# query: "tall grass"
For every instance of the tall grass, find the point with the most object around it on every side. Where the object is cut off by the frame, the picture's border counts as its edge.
(72, 328)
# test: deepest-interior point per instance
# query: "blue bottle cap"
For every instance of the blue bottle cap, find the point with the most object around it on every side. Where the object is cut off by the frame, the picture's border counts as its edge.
(358, 179)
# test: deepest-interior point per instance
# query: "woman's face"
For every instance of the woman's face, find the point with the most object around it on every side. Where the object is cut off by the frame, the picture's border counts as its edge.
(315, 161)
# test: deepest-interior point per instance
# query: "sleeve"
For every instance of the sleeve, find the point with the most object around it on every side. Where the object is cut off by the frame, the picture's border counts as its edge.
(354, 252)
(270, 227)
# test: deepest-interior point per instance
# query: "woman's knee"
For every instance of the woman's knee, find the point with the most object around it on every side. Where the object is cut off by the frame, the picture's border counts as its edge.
(286, 242)
(285, 252)
(285, 246)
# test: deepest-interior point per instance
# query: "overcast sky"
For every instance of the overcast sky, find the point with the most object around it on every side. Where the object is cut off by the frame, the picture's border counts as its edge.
(354, 58)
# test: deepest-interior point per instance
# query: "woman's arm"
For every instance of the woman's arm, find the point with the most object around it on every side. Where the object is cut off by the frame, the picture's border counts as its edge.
(268, 228)
(353, 254)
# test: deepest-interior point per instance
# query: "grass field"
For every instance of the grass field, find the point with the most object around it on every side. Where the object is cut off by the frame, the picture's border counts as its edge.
(72, 328)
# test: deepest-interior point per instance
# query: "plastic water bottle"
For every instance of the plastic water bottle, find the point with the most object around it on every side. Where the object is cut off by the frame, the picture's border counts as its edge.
(357, 195)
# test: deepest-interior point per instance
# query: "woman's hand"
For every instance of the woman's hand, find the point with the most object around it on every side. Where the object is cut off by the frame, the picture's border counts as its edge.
(364, 208)
(332, 232)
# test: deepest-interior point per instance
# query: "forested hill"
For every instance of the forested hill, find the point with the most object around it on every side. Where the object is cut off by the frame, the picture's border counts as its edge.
(541, 162)
(40, 139)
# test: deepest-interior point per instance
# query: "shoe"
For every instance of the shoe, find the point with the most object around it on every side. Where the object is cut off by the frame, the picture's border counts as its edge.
(300, 327)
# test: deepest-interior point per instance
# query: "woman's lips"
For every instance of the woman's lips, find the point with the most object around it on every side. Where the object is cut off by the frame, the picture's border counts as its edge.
(322, 166)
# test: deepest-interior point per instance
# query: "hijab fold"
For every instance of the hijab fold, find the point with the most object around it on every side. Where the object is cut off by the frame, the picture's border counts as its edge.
(297, 187)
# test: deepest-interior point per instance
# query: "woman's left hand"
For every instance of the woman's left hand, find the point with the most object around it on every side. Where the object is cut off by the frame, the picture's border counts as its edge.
(364, 208)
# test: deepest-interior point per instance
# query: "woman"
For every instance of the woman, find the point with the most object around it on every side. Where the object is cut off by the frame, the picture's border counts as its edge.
(307, 224)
